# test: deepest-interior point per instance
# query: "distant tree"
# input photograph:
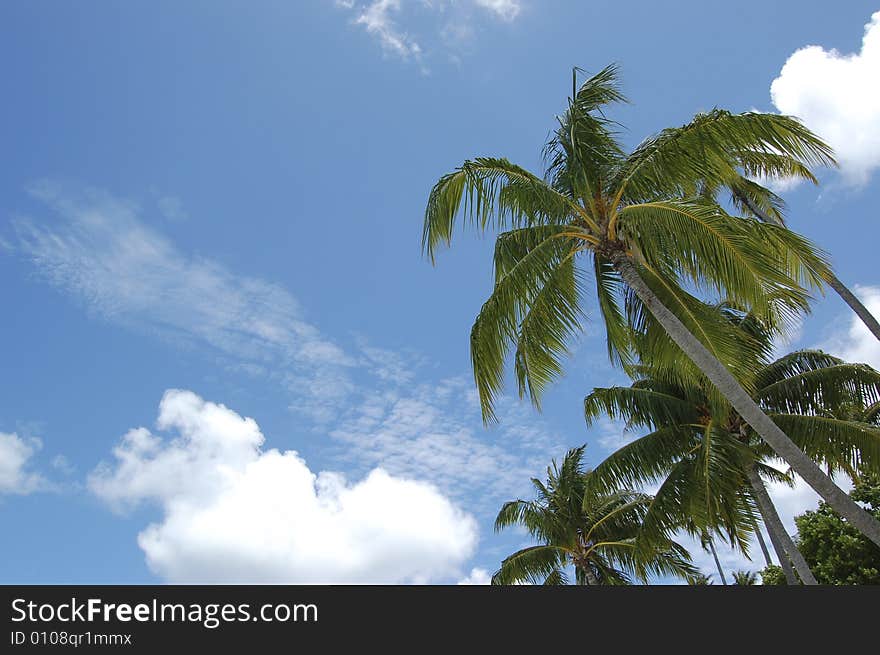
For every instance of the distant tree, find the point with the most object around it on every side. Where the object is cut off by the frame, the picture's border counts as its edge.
(836, 552)
(745, 578)
(700, 579)
(772, 575)
(595, 533)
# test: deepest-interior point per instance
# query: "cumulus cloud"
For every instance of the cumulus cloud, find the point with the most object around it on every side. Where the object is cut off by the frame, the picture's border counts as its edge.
(855, 343)
(15, 456)
(838, 97)
(236, 513)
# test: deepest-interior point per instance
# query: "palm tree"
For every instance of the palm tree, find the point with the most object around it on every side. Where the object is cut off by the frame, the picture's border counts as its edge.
(648, 234)
(745, 578)
(700, 579)
(594, 533)
(712, 467)
(708, 543)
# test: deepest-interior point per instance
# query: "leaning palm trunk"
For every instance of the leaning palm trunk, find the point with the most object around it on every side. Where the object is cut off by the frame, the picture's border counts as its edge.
(833, 281)
(759, 535)
(855, 304)
(786, 549)
(731, 389)
(717, 562)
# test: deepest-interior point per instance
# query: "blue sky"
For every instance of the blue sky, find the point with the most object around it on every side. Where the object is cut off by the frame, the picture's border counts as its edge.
(212, 211)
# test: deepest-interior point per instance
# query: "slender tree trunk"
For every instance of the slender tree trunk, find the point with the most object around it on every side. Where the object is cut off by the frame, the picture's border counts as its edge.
(848, 296)
(785, 547)
(762, 544)
(717, 563)
(855, 304)
(746, 406)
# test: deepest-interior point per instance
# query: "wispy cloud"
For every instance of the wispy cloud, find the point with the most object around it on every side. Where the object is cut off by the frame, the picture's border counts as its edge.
(431, 431)
(402, 27)
(103, 253)
(369, 406)
(16, 454)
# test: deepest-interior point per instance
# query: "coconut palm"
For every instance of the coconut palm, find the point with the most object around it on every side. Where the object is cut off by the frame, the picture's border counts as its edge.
(745, 578)
(711, 466)
(650, 236)
(594, 533)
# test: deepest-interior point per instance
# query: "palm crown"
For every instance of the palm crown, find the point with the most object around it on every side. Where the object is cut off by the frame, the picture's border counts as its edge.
(703, 453)
(655, 206)
(597, 532)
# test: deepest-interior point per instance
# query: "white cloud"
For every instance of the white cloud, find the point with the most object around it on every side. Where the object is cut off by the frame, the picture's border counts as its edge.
(856, 343)
(392, 22)
(15, 455)
(376, 19)
(838, 97)
(505, 9)
(233, 512)
(477, 576)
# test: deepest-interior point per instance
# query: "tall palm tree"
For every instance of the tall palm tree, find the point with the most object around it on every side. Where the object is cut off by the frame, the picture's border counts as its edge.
(649, 236)
(595, 533)
(707, 457)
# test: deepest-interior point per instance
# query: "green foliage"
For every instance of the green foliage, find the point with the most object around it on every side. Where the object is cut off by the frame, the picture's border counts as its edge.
(745, 578)
(700, 579)
(837, 553)
(773, 575)
(595, 533)
(699, 449)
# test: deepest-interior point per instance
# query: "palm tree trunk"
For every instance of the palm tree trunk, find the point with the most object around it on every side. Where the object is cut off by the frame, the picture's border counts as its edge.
(855, 304)
(592, 580)
(717, 563)
(762, 544)
(784, 545)
(731, 389)
(848, 296)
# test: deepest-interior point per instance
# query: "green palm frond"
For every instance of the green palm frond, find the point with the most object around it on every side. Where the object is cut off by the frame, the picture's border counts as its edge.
(532, 565)
(641, 407)
(733, 257)
(551, 321)
(838, 445)
(711, 148)
(794, 363)
(491, 193)
(497, 325)
(822, 389)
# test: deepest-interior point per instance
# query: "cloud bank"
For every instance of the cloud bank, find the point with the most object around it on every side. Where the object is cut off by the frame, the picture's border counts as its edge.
(235, 513)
